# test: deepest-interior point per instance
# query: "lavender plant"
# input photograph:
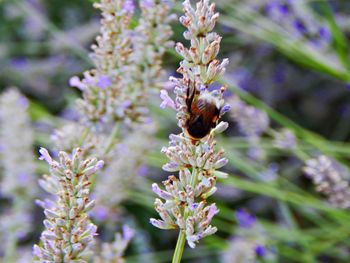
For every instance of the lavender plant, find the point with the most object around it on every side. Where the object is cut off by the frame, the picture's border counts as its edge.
(193, 152)
(115, 93)
(69, 233)
(285, 139)
(17, 181)
(330, 179)
(300, 22)
(128, 63)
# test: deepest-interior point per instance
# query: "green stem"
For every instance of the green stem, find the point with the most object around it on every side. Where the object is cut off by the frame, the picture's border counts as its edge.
(112, 137)
(182, 236)
(179, 247)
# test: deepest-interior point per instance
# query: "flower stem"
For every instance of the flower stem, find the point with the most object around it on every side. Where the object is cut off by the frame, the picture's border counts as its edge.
(179, 247)
(182, 236)
(111, 140)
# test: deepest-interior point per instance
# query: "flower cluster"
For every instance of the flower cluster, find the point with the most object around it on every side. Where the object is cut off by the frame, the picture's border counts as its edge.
(330, 179)
(285, 139)
(68, 231)
(252, 122)
(196, 159)
(249, 242)
(128, 63)
(113, 252)
(17, 183)
(297, 18)
(18, 180)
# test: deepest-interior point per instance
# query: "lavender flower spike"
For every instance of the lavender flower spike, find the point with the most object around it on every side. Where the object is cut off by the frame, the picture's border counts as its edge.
(17, 179)
(127, 63)
(329, 178)
(193, 152)
(68, 232)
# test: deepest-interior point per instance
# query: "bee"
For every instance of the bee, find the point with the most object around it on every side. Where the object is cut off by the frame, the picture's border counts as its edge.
(204, 110)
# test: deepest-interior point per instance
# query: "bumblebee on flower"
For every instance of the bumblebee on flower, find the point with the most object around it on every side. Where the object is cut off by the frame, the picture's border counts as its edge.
(193, 152)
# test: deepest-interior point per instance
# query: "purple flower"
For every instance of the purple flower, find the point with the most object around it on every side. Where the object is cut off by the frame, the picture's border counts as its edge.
(100, 213)
(225, 109)
(44, 155)
(143, 170)
(127, 104)
(23, 102)
(99, 164)
(167, 101)
(129, 6)
(193, 206)
(23, 178)
(300, 27)
(37, 251)
(283, 9)
(245, 220)
(128, 233)
(213, 210)
(76, 82)
(260, 250)
(324, 33)
(147, 3)
(104, 82)
(19, 63)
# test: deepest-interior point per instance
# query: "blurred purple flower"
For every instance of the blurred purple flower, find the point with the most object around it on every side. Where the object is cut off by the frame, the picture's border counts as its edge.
(104, 82)
(260, 250)
(283, 9)
(23, 102)
(100, 213)
(23, 178)
(147, 3)
(245, 220)
(167, 101)
(324, 34)
(76, 82)
(128, 233)
(300, 27)
(143, 170)
(129, 6)
(19, 63)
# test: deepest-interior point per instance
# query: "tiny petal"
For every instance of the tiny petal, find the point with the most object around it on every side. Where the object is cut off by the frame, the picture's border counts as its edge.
(37, 251)
(167, 101)
(76, 82)
(44, 155)
(104, 82)
(245, 219)
(260, 250)
(129, 6)
(99, 164)
(128, 233)
(213, 210)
